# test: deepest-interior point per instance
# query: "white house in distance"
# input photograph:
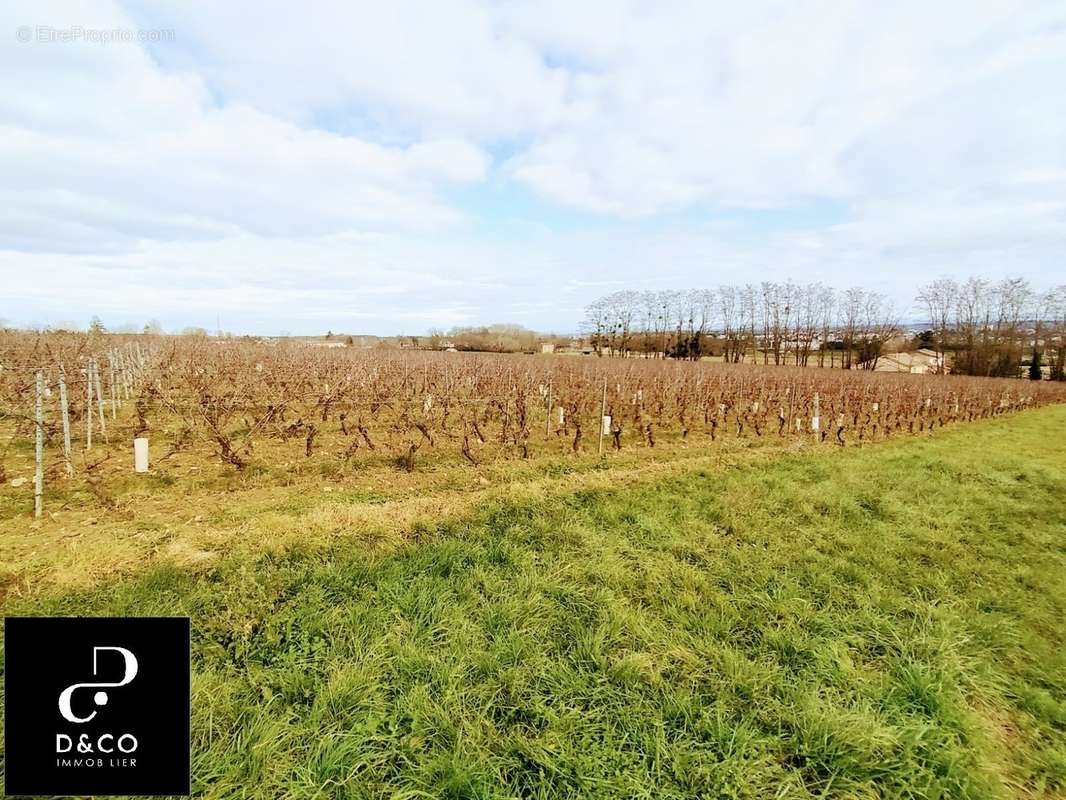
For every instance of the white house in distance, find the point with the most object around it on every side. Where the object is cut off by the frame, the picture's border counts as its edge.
(916, 362)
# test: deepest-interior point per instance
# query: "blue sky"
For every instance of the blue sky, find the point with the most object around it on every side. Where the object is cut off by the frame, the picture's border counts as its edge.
(388, 168)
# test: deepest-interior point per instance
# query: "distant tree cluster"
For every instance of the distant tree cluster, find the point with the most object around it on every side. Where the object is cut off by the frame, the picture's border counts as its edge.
(487, 338)
(778, 323)
(992, 328)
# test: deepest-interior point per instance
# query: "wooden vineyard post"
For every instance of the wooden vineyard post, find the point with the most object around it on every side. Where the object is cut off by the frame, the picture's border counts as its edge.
(88, 408)
(603, 413)
(38, 475)
(99, 396)
(65, 411)
(548, 421)
(123, 388)
(111, 377)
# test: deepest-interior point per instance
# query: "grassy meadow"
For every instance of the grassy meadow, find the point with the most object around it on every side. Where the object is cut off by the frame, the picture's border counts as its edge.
(884, 621)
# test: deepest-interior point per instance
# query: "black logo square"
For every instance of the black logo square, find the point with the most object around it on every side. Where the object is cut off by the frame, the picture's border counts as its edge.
(96, 706)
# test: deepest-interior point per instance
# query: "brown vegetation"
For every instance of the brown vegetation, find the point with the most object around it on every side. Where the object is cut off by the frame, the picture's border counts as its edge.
(257, 404)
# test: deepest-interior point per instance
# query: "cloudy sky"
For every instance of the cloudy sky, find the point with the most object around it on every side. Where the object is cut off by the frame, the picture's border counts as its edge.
(391, 167)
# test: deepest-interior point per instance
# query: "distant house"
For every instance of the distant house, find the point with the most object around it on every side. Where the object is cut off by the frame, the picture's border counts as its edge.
(796, 345)
(574, 348)
(547, 347)
(916, 362)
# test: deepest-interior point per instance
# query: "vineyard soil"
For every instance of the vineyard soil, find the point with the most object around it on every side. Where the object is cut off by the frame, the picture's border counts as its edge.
(877, 621)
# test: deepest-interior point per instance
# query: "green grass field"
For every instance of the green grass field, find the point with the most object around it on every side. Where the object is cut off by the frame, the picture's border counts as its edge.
(861, 623)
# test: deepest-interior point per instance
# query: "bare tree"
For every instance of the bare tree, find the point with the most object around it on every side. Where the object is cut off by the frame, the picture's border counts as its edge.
(940, 298)
(748, 320)
(729, 314)
(1055, 333)
(852, 317)
(879, 325)
(827, 307)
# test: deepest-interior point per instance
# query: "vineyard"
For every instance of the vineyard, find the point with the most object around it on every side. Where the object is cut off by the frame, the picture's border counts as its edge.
(251, 407)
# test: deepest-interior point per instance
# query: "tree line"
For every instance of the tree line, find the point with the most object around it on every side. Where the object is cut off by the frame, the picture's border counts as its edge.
(977, 327)
(992, 328)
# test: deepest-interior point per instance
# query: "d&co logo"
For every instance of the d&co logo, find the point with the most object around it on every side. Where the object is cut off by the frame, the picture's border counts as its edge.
(96, 706)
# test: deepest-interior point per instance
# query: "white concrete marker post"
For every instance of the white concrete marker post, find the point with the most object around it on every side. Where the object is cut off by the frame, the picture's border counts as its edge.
(140, 454)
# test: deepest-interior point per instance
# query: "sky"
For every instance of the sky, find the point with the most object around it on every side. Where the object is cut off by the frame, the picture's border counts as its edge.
(393, 167)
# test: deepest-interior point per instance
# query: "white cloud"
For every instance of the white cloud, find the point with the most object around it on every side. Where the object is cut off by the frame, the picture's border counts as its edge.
(101, 147)
(308, 155)
(633, 109)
